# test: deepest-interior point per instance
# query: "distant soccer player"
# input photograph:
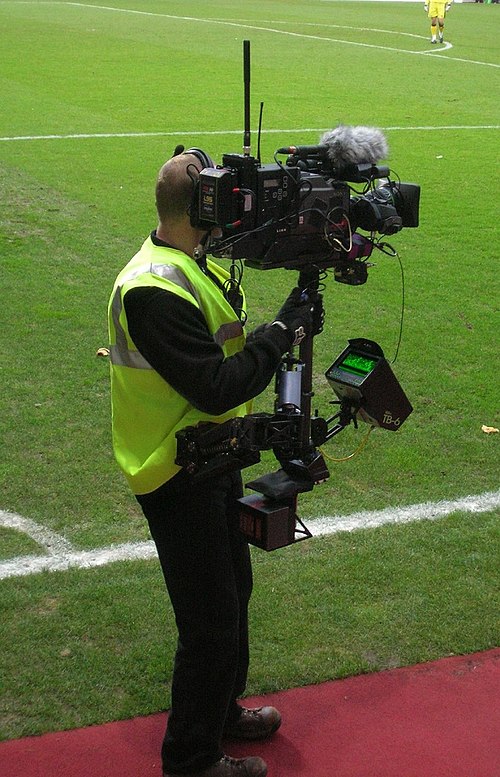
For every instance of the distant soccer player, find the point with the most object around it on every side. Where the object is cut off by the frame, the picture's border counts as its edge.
(436, 13)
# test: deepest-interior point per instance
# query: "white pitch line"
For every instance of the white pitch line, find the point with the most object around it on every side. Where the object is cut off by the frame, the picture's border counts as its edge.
(65, 557)
(53, 543)
(208, 133)
(79, 559)
(394, 515)
(246, 26)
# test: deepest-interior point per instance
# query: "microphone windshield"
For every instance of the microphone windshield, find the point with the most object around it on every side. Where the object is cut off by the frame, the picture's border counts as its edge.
(355, 145)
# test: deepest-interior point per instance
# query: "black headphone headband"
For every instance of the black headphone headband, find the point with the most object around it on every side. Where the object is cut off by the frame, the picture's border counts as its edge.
(204, 159)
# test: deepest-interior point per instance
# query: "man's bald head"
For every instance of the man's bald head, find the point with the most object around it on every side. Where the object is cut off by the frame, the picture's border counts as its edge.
(174, 187)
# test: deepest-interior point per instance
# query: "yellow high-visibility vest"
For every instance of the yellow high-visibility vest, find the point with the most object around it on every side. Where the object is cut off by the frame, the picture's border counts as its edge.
(146, 411)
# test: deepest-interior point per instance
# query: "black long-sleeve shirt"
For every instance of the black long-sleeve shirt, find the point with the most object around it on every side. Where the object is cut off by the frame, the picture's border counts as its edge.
(172, 335)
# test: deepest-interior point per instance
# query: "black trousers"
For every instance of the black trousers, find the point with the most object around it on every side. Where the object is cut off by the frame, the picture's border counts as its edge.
(207, 569)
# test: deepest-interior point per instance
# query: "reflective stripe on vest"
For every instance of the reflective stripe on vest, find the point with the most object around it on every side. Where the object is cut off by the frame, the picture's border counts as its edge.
(120, 353)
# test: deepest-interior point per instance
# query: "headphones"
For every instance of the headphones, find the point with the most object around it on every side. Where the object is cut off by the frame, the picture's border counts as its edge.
(205, 160)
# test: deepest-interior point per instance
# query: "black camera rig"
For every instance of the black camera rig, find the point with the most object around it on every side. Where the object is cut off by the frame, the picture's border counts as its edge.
(366, 388)
(301, 215)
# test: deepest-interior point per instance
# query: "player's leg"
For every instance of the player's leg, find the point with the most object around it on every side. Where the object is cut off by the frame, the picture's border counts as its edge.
(434, 22)
(441, 28)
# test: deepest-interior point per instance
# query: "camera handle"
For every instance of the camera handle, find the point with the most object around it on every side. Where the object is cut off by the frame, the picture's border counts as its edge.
(294, 377)
(309, 283)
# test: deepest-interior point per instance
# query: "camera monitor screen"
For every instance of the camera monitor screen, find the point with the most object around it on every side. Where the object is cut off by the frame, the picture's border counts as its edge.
(352, 368)
(357, 364)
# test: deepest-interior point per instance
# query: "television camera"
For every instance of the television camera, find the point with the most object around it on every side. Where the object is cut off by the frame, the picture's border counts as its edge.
(303, 214)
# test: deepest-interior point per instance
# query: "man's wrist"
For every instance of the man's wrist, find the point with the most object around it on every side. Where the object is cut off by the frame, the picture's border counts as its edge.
(284, 334)
(296, 334)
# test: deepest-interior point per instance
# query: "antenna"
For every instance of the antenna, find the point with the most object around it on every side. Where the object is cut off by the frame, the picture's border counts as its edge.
(260, 131)
(246, 82)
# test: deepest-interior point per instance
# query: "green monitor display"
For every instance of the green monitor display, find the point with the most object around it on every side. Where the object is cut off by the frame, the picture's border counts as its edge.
(357, 364)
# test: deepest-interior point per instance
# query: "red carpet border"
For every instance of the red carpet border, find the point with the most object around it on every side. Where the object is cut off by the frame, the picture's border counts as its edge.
(440, 719)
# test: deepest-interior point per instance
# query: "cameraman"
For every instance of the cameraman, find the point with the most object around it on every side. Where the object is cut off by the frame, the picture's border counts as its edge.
(179, 357)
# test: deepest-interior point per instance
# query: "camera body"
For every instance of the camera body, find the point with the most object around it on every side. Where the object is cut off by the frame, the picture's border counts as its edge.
(304, 212)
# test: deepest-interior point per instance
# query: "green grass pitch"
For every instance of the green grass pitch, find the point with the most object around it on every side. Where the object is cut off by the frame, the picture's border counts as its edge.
(94, 99)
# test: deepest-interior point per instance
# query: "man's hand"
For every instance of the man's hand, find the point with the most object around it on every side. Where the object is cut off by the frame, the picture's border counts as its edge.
(300, 316)
(318, 314)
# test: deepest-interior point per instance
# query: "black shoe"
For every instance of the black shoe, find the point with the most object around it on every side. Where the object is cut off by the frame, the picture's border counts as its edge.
(257, 723)
(229, 767)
